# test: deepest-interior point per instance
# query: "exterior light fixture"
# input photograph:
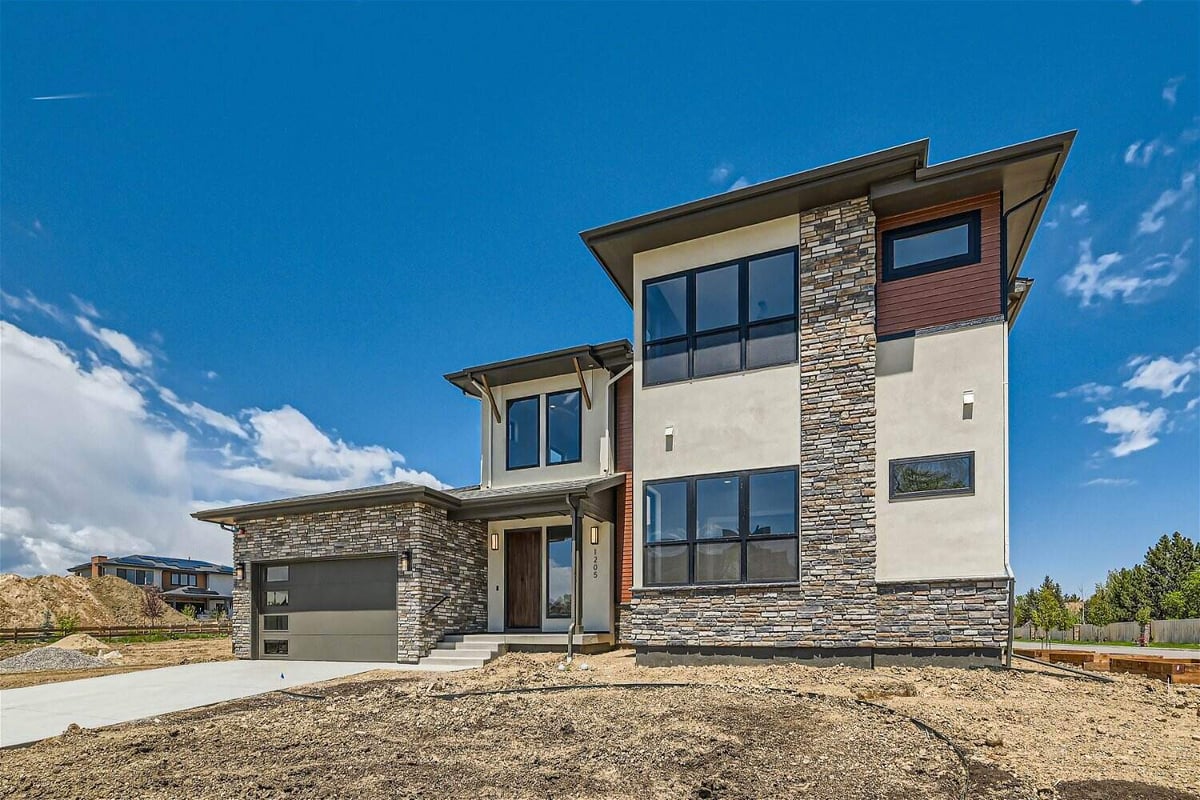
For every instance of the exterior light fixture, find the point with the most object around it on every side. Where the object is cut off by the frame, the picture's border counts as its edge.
(494, 541)
(594, 538)
(406, 561)
(239, 572)
(669, 436)
(969, 397)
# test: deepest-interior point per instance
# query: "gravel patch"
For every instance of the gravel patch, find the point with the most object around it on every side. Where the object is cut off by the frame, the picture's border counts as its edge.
(50, 658)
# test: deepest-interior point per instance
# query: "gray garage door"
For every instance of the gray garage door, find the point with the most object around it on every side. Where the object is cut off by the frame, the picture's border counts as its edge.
(330, 610)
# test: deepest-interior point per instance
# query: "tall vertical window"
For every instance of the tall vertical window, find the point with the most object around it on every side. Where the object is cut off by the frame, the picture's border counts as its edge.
(564, 427)
(737, 528)
(721, 319)
(522, 416)
(558, 571)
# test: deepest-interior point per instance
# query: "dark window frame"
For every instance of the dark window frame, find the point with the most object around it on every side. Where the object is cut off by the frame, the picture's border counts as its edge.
(275, 647)
(744, 324)
(973, 220)
(184, 579)
(267, 598)
(267, 627)
(508, 404)
(547, 529)
(896, 462)
(744, 534)
(579, 427)
(286, 575)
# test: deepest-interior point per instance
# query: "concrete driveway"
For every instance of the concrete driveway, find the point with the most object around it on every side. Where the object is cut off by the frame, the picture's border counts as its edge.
(37, 712)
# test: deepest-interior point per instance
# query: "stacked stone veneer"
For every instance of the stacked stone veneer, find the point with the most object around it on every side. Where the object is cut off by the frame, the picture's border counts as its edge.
(834, 603)
(449, 559)
(959, 614)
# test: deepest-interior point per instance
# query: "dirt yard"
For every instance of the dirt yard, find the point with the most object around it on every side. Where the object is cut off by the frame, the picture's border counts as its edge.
(732, 732)
(109, 600)
(134, 656)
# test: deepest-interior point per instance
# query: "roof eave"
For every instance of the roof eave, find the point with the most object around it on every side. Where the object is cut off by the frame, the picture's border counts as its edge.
(309, 505)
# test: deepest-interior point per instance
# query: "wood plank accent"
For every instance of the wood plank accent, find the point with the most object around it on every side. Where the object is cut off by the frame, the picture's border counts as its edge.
(587, 397)
(624, 462)
(952, 295)
(522, 584)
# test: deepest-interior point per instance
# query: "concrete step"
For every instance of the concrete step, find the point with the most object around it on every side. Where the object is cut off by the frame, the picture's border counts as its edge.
(474, 638)
(466, 652)
(453, 663)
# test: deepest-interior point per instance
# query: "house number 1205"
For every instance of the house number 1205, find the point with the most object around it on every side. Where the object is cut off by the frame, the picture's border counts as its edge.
(596, 563)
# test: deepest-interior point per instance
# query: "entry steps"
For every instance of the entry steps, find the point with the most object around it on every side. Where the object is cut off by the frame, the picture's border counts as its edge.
(465, 651)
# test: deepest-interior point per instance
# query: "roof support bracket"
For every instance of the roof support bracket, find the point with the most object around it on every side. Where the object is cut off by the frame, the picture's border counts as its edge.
(487, 389)
(587, 398)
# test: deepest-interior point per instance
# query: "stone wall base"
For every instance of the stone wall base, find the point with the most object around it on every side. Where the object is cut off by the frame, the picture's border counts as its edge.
(863, 657)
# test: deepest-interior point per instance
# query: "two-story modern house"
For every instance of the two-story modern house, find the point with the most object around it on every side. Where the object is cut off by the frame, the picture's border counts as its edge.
(206, 587)
(802, 454)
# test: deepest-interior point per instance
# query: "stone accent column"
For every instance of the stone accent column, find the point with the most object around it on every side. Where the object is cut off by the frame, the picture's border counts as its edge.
(837, 421)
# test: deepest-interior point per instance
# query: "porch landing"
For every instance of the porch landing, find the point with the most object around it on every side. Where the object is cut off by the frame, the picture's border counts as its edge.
(465, 651)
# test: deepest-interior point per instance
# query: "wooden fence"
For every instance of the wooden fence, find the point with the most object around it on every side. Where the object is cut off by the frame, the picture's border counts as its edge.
(113, 631)
(1175, 631)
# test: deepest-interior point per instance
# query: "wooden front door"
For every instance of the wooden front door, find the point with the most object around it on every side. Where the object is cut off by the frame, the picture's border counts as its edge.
(522, 574)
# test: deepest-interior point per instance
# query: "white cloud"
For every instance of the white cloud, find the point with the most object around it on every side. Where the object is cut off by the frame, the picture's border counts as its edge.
(1163, 374)
(1140, 154)
(1171, 89)
(85, 307)
(93, 464)
(1135, 427)
(119, 343)
(1152, 219)
(720, 173)
(1094, 277)
(211, 375)
(1079, 211)
(1110, 482)
(30, 302)
(1091, 392)
(740, 183)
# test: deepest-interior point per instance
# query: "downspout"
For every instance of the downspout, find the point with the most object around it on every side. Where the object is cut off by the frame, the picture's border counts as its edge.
(576, 577)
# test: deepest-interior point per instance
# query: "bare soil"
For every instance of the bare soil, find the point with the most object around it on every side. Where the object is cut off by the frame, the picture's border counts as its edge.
(134, 656)
(107, 600)
(733, 732)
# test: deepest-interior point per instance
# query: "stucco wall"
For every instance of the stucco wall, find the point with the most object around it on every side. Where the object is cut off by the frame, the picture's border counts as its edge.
(920, 382)
(494, 436)
(723, 423)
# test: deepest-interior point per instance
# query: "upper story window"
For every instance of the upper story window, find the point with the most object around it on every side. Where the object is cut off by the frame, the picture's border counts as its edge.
(141, 577)
(931, 246)
(737, 528)
(522, 415)
(931, 476)
(182, 579)
(564, 427)
(720, 319)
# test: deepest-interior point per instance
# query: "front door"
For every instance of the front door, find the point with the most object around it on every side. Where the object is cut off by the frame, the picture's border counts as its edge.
(522, 579)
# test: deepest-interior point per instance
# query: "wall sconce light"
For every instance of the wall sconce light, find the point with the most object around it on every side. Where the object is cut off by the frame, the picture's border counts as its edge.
(494, 541)
(968, 404)
(669, 435)
(239, 572)
(406, 561)
(594, 536)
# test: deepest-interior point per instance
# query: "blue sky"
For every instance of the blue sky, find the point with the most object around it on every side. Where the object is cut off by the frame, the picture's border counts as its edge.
(239, 255)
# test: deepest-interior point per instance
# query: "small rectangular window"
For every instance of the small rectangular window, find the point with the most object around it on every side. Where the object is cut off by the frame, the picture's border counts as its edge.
(931, 246)
(275, 647)
(666, 309)
(522, 416)
(277, 598)
(278, 573)
(275, 622)
(558, 571)
(564, 427)
(931, 476)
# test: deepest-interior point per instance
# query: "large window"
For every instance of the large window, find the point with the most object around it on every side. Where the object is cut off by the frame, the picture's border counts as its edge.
(931, 476)
(182, 579)
(931, 246)
(721, 319)
(522, 416)
(737, 528)
(564, 427)
(558, 572)
(141, 577)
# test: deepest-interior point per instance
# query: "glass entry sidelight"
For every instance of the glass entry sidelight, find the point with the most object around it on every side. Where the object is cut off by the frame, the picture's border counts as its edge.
(558, 572)
(522, 578)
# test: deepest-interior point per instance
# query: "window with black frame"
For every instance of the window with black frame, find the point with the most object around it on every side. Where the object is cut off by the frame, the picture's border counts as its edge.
(931, 246)
(564, 427)
(931, 476)
(522, 439)
(735, 528)
(558, 571)
(721, 319)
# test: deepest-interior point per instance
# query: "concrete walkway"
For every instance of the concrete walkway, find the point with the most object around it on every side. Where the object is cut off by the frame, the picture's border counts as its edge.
(38, 712)
(1119, 650)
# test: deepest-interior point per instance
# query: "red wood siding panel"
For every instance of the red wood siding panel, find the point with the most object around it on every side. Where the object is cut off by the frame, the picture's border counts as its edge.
(624, 459)
(952, 295)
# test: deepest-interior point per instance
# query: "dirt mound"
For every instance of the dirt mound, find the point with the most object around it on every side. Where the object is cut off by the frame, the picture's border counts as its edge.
(83, 643)
(91, 601)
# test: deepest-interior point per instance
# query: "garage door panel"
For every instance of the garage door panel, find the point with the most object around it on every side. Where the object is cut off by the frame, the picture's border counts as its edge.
(346, 623)
(334, 647)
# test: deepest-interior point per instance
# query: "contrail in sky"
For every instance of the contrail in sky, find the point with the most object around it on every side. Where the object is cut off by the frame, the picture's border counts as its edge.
(76, 96)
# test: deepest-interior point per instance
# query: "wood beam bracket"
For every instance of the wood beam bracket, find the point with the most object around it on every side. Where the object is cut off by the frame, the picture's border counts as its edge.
(487, 389)
(587, 398)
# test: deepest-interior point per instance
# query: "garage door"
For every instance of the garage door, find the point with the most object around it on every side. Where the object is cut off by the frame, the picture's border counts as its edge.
(328, 610)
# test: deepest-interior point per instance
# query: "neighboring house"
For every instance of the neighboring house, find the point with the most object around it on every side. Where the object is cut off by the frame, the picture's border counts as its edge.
(183, 581)
(804, 452)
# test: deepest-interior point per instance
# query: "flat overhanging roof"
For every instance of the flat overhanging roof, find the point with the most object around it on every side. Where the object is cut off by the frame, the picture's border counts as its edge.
(897, 180)
(612, 356)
